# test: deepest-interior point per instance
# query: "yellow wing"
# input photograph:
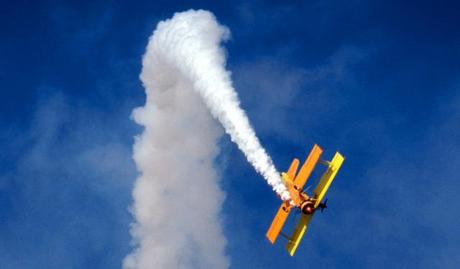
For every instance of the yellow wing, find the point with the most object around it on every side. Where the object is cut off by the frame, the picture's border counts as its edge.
(299, 231)
(327, 178)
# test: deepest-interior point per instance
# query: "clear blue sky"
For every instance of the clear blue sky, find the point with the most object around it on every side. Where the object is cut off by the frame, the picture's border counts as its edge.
(377, 80)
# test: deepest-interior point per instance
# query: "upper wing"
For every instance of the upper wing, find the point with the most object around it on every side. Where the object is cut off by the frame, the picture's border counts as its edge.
(328, 177)
(278, 222)
(308, 167)
(283, 211)
(298, 233)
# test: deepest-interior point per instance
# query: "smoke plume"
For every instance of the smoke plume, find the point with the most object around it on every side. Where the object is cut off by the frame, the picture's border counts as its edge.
(176, 196)
(190, 41)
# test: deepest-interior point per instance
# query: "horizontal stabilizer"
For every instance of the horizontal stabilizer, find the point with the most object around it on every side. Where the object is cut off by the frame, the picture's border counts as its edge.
(293, 169)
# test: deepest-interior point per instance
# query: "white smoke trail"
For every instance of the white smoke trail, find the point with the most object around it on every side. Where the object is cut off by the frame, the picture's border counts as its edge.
(176, 197)
(191, 42)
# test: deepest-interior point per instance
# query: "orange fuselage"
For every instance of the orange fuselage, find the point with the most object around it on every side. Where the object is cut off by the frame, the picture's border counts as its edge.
(299, 198)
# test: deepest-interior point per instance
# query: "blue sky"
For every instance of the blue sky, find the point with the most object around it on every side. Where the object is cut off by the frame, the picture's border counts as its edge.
(377, 80)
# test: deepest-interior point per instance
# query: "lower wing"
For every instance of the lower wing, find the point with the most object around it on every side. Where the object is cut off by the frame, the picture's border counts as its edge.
(298, 233)
(327, 178)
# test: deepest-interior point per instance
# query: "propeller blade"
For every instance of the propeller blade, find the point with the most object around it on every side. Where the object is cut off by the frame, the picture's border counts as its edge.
(323, 205)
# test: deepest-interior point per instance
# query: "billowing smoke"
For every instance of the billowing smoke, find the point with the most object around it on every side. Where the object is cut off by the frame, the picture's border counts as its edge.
(190, 41)
(176, 196)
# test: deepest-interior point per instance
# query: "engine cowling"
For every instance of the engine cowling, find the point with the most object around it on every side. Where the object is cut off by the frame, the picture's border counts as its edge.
(307, 207)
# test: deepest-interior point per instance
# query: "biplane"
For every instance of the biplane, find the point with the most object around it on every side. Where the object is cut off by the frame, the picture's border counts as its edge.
(307, 205)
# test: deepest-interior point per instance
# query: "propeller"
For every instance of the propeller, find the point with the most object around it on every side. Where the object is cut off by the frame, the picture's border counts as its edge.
(323, 205)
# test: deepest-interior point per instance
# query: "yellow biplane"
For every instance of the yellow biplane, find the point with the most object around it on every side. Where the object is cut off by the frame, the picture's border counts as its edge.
(299, 199)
